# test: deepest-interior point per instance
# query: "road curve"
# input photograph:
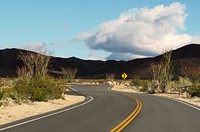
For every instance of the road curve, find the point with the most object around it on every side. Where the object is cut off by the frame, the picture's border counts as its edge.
(109, 108)
(160, 114)
(103, 113)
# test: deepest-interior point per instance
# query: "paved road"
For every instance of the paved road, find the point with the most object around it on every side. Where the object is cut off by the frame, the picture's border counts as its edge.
(103, 113)
(164, 115)
(109, 108)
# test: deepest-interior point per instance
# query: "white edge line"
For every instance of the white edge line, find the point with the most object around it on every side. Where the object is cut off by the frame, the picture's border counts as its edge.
(182, 102)
(73, 89)
(109, 88)
(19, 124)
(186, 104)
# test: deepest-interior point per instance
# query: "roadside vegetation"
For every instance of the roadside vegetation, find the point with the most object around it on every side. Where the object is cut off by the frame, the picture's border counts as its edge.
(110, 77)
(161, 79)
(140, 84)
(69, 74)
(161, 72)
(33, 82)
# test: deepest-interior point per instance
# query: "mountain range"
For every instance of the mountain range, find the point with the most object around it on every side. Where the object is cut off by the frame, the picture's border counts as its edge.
(186, 56)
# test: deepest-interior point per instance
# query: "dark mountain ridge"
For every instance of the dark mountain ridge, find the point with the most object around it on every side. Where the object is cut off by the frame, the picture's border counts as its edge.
(188, 55)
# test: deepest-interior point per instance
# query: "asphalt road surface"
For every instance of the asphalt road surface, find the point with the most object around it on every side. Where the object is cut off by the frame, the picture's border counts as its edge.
(104, 109)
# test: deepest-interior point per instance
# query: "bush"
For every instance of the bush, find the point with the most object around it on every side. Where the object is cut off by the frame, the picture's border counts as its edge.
(5, 95)
(110, 76)
(184, 82)
(162, 71)
(36, 64)
(144, 84)
(5, 91)
(137, 82)
(172, 86)
(69, 74)
(194, 91)
(38, 89)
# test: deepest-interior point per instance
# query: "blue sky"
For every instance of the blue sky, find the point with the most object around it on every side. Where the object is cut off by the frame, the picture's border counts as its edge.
(73, 27)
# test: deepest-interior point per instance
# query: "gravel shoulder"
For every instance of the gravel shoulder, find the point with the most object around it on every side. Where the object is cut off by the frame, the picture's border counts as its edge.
(193, 100)
(16, 112)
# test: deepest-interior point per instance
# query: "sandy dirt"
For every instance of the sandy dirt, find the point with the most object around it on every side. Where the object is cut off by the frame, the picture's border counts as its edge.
(193, 100)
(16, 112)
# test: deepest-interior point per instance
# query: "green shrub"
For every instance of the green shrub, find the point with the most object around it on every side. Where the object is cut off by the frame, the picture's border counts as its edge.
(2, 97)
(69, 74)
(39, 89)
(172, 86)
(144, 84)
(5, 95)
(195, 91)
(137, 82)
(184, 82)
(5, 91)
(21, 89)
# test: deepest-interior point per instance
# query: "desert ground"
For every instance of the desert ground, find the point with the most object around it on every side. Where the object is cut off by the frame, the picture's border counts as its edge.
(15, 112)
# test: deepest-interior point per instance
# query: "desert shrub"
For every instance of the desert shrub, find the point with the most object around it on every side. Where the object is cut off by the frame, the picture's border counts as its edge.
(69, 74)
(137, 82)
(172, 86)
(33, 83)
(194, 91)
(21, 89)
(6, 82)
(5, 96)
(144, 84)
(110, 76)
(162, 71)
(184, 82)
(23, 72)
(39, 89)
(36, 64)
(5, 91)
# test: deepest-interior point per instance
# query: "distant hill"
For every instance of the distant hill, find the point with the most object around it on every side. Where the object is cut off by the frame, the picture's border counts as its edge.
(188, 55)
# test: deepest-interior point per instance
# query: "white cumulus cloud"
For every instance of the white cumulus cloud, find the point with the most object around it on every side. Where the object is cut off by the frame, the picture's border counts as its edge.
(140, 32)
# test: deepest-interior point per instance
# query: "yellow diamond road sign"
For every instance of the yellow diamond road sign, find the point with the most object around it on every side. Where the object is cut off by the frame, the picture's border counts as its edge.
(124, 76)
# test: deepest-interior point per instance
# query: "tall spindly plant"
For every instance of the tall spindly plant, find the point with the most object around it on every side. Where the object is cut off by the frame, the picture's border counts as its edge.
(162, 71)
(36, 64)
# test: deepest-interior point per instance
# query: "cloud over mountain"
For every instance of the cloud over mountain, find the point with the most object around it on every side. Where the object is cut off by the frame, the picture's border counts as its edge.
(140, 32)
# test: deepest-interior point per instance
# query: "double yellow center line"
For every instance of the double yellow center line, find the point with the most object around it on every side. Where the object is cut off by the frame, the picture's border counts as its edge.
(130, 118)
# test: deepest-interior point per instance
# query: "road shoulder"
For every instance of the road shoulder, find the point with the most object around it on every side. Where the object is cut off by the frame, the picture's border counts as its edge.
(194, 101)
(16, 112)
